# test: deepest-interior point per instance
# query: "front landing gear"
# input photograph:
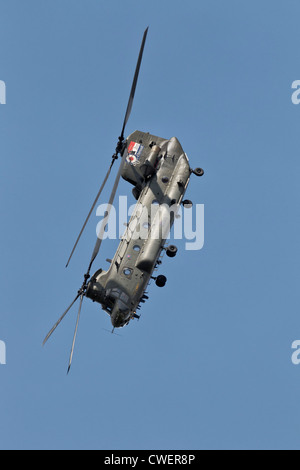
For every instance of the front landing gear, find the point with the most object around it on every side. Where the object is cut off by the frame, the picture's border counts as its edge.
(161, 281)
(171, 251)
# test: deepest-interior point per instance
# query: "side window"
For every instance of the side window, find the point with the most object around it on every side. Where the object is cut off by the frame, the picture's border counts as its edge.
(127, 272)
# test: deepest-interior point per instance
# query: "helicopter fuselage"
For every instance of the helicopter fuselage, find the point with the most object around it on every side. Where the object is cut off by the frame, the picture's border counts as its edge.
(160, 172)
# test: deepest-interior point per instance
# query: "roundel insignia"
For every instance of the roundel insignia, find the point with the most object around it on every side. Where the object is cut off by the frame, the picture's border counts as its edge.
(131, 159)
(134, 153)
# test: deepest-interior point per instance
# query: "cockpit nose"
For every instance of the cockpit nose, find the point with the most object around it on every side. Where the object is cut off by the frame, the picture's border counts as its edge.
(120, 314)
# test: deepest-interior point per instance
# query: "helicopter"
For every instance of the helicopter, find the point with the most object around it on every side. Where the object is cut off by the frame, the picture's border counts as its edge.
(160, 172)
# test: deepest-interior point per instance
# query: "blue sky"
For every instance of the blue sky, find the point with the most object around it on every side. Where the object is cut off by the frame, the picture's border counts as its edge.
(209, 364)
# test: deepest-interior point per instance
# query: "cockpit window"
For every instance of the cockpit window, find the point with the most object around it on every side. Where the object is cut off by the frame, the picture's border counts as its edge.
(118, 294)
(124, 298)
(115, 293)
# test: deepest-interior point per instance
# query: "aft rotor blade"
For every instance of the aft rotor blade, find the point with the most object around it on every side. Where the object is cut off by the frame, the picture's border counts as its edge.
(60, 320)
(91, 211)
(105, 220)
(135, 80)
(75, 334)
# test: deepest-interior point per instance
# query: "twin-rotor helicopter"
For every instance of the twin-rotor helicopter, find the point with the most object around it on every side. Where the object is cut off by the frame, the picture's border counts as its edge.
(160, 173)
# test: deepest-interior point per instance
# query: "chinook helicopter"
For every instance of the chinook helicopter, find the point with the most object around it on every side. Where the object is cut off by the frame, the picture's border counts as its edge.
(160, 173)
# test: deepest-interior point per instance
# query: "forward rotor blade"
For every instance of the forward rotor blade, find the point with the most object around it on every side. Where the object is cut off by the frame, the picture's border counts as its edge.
(60, 320)
(91, 211)
(121, 138)
(75, 334)
(105, 220)
(135, 80)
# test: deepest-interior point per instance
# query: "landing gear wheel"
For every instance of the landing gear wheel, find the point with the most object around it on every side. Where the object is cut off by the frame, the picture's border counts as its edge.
(187, 204)
(172, 251)
(161, 281)
(198, 172)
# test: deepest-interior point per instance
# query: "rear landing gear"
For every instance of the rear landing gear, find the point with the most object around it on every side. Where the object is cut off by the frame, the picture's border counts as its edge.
(198, 172)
